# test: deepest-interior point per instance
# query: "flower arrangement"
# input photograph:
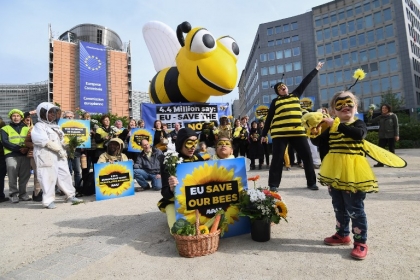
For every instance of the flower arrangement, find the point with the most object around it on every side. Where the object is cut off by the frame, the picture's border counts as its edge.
(262, 204)
(171, 161)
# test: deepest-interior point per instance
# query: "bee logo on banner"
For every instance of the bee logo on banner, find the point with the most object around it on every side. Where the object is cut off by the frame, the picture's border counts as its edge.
(138, 134)
(192, 115)
(307, 103)
(113, 180)
(76, 128)
(210, 186)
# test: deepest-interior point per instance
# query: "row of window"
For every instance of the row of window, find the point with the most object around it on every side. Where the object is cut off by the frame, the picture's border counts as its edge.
(417, 81)
(413, 33)
(280, 69)
(415, 49)
(279, 29)
(373, 69)
(361, 56)
(413, 7)
(412, 19)
(377, 100)
(286, 40)
(279, 54)
(416, 64)
(356, 40)
(350, 11)
(366, 87)
(289, 81)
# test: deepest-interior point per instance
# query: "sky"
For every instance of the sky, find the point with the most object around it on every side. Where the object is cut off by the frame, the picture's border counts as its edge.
(24, 29)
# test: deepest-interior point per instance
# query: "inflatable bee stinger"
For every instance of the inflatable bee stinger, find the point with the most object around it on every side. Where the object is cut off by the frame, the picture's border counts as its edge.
(190, 69)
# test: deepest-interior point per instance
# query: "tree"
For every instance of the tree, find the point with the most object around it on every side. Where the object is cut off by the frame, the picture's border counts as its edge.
(396, 102)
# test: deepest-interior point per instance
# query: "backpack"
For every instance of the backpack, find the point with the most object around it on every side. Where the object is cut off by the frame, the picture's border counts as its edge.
(88, 182)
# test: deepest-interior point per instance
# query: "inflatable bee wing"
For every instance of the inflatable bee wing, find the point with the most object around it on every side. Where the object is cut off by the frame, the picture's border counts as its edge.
(383, 156)
(162, 42)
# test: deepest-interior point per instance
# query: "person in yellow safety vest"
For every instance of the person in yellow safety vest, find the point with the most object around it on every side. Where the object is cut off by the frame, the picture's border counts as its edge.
(17, 163)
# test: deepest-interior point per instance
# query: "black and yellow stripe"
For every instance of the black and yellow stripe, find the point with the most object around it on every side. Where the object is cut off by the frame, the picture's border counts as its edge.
(165, 84)
(287, 121)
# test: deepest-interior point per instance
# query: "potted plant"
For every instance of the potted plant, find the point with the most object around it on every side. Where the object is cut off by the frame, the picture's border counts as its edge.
(263, 207)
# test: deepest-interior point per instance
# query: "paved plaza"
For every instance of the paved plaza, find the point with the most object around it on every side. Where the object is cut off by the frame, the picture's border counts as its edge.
(128, 238)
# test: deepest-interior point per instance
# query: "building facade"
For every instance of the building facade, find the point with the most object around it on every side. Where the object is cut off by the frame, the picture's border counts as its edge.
(139, 97)
(79, 77)
(379, 36)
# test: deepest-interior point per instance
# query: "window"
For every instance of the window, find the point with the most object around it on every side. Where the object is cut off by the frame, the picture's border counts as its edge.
(278, 29)
(387, 14)
(320, 50)
(368, 21)
(336, 46)
(271, 56)
(279, 54)
(263, 57)
(289, 81)
(324, 94)
(362, 39)
(366, 87)
(330, 63)
(366, 6)
(333, 17)
(370, 36)
(337, 61)
(327, 33)
(391, 48)
(350, 26)
(326, 20)
(363, 56)
(272, 70)
(381, 50)
(331, 78)
(376, 4)
(298, 80)
(288, 67)
(293, 26)
(331, 92)
(296, 51)
(99, 36)
(297, 65)
(385, 84)
(349, 12)
(374, 69)
(341, 14)
(328, 48)
(339, 76)
(264, 85)
(375, 86)
(266, 99)
(287, 53)
(295, 38)
(366, 104)
(264, 71)
(270, 43)
(395, 82)
(358, 9)
(272, 83)
(334, 31)
(384, 2)
(360, 22)
(286, 27)
(346, 59)
(372, 54)
(383, 67)
(280, 68)
(347, 75)
(344, 44)
(286, 40)
(379, 34)
(323, 79)
(343, 28)
(354, 57)
(389, 31)
(279, 42)
(318, 22)
(270, 31)
(353, 41)
(393, 65)
(377, 17)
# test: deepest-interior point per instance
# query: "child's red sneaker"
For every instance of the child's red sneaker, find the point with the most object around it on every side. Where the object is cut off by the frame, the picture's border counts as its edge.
(336, 240)
(359, 251)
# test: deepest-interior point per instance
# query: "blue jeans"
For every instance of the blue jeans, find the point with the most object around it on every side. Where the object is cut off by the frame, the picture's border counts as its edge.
(74, 166)
(348, 205)
(142, 176)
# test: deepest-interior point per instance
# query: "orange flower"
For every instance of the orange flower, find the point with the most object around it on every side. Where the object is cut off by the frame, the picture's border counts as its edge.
(276, 195)
(254, 178)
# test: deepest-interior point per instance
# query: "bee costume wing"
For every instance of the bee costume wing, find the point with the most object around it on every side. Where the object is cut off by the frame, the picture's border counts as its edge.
(162, 43)
(383, 156)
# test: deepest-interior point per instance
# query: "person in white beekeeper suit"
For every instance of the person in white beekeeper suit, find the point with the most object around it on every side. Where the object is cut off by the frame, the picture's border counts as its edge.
(50, 156)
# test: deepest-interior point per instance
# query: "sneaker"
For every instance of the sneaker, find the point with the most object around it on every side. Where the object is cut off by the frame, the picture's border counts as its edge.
(359, 251)
(314, 187)
(37, 198)
(300, 165)
(378, 165)
(273, 189)
(14, 199)
(288, 169)
(317, 166)
(25, 198)
(336, 240)
(74, 199)
(51, 206)
(156, 189)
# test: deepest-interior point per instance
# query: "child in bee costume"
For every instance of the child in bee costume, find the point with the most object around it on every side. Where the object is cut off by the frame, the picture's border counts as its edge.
(50, 156)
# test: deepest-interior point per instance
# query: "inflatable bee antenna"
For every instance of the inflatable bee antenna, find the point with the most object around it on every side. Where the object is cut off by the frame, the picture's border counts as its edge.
(184, 27)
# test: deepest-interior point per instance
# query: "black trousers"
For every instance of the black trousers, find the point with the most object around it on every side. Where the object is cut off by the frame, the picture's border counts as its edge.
(383, 142)
(300, 144)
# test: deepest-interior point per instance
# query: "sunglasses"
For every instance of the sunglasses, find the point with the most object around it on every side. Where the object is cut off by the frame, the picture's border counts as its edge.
(346, 101)
(189, 144)
(224, 143)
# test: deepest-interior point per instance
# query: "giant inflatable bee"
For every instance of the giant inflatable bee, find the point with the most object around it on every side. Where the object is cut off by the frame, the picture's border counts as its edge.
(190, 69)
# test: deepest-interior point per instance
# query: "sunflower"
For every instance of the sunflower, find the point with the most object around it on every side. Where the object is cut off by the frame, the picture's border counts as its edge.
(281, 209)
(139, 135)
(68, 126)
(203, 175)
(116, 187)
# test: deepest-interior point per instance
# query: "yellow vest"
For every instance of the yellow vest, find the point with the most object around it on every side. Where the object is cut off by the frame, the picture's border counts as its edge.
(14, 137)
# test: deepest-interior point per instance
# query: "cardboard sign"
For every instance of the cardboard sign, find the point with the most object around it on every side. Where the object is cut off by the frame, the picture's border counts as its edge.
(138, 134)
(80, 128)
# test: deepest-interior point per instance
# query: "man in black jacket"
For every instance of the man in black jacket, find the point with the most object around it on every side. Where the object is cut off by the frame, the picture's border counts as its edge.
(147, 167)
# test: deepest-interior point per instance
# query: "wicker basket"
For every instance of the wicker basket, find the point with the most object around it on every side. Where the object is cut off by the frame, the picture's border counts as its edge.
(198, 245)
